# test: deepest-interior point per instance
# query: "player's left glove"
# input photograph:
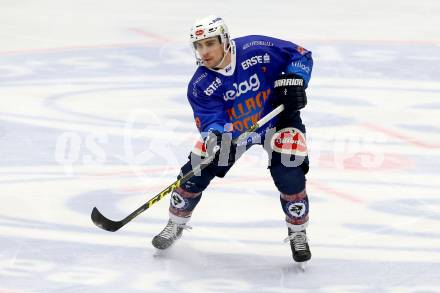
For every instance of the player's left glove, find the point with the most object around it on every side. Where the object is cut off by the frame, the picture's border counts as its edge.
(220, 144)
(290, 91)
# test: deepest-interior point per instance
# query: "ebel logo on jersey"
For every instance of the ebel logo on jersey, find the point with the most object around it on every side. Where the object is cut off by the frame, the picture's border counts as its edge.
(243, 87)
(255, 60)
(213, 86)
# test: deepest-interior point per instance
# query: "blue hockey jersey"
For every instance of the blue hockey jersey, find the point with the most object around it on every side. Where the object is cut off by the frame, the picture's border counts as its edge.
(234, 98)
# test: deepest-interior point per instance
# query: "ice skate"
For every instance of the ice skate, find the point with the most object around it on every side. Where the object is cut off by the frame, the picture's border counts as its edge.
(169, 235)
(300, 248)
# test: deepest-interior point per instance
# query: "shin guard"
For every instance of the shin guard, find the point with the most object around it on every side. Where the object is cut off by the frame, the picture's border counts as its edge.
(296, 208)
(182, 204)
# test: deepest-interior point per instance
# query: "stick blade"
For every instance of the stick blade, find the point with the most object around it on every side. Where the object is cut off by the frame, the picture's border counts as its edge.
(104, 223)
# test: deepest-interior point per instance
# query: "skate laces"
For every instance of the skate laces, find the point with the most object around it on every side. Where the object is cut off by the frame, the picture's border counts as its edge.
(172, 230)
(299, 240)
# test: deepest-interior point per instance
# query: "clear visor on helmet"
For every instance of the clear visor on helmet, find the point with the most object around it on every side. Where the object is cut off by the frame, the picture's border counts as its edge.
(223, 41)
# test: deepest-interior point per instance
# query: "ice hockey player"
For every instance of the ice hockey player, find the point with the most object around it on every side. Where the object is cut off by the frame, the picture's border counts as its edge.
(237, 82)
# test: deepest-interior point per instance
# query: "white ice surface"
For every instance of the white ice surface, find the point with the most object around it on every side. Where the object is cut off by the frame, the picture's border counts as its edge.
(93, 113)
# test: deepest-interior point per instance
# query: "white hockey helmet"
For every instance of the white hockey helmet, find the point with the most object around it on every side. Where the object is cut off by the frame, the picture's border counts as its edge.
(209, 26)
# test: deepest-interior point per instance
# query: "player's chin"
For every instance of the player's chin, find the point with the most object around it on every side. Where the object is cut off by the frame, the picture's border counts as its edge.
(208, 63)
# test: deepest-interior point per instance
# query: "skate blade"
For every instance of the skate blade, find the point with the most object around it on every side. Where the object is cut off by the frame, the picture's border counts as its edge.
(159, 253)
(302, 266)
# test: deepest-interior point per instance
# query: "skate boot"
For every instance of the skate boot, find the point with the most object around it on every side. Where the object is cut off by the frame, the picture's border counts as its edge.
(298, 244)
(170, 234)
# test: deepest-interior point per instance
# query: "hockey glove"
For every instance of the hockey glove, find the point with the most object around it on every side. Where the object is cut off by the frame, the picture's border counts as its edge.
(290, 91)
(220, 144)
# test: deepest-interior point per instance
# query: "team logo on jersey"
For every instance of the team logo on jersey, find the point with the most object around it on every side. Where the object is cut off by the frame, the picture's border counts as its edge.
(253, 84)
(289, 141)
(254, 60)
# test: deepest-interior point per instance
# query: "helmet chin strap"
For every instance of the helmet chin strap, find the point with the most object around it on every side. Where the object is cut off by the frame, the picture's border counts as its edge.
(226, 48)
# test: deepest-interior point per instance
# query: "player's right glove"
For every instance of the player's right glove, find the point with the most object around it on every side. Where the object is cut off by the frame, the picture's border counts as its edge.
(220, 144)
(290, 91)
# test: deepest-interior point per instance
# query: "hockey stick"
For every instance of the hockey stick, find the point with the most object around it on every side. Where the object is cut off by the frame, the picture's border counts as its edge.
(102, 222)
